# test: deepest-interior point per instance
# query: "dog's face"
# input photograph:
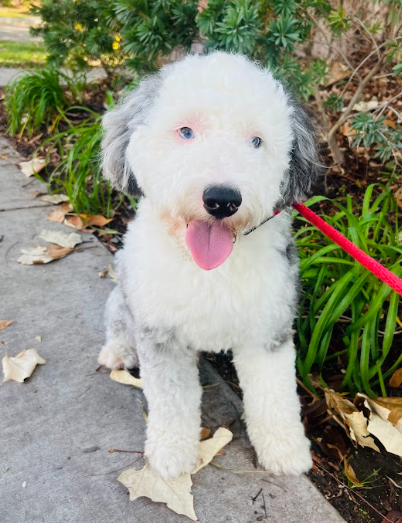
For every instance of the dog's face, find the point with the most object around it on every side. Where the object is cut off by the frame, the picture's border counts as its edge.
(216, 145)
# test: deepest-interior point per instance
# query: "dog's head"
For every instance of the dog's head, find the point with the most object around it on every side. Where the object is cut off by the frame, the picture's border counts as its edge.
(215, 144)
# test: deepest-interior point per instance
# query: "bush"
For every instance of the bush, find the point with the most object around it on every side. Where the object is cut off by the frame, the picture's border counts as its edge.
(34, 99)
(78, 32)
(339, 292)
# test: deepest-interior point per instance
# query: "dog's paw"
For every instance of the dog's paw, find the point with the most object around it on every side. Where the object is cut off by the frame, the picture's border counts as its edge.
(116, 356)
(171, 459)
(290, 457)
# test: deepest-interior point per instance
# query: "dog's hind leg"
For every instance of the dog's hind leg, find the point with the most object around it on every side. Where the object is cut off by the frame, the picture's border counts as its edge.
(119, 350)
(272, 407)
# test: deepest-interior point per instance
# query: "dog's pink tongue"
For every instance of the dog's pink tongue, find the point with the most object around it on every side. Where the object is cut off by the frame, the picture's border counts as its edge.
(210, 245)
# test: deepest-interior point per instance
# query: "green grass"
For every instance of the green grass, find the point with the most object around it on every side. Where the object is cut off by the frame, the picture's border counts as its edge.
(347, 314)
(22, 54)
(14, 12)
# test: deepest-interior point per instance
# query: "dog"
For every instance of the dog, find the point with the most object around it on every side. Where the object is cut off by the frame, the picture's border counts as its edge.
(214, 145)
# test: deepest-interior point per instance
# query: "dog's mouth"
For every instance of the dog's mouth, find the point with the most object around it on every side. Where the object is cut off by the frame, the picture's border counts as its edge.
(209, 243)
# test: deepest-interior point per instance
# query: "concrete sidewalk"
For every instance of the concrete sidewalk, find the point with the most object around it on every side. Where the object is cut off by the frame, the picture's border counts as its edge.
(57, 427)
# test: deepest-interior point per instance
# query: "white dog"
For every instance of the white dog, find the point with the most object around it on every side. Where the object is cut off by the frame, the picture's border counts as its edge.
(214, 145)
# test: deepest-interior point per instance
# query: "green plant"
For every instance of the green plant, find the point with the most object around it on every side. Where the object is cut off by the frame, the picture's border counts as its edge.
(33, 99)
(78, 173)
(151, 29)
(77, 33)
(347, 312)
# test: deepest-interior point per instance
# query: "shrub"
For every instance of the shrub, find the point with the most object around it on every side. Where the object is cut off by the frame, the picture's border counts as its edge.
(339, 292)
(78, 32)
(33, 99)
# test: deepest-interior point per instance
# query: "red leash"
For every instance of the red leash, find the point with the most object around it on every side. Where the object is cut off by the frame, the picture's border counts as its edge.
(364, 259)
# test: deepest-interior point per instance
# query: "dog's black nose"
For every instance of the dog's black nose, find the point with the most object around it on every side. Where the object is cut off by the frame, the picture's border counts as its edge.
(221, 202)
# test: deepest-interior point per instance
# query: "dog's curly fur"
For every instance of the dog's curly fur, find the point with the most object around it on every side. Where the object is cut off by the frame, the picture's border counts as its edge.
(165, 308)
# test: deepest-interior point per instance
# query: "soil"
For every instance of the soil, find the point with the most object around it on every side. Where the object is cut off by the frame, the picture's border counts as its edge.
(379, 500)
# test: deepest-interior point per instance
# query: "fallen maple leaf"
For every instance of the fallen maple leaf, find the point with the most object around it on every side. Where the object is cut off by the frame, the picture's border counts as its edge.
(124, 377)
(61, 238)
(54, 198)
(5, 323)
(20, 367)
(176, 493)
(58, 215)
(33, 166)
(39, 255)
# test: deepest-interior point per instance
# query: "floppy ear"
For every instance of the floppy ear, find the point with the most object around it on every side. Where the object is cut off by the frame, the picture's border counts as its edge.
(304, 168)
(118, 125)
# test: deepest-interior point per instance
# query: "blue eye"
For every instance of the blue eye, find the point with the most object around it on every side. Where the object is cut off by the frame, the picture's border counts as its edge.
(186, 133)
(256, 141)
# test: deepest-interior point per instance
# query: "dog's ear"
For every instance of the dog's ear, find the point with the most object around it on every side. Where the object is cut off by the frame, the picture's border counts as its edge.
(304, 167)
(118, 125)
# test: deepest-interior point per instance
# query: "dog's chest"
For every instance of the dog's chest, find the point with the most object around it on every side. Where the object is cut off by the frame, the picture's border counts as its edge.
(246, 298)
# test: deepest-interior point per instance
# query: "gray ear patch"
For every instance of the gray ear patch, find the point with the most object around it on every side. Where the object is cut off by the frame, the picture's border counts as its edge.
(304, 168)
(119, 124)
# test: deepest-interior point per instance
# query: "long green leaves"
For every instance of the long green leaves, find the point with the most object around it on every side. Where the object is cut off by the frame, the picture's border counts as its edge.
(346, 312)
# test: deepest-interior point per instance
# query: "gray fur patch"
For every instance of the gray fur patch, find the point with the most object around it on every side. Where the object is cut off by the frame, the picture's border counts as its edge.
(304, 168)
(119, 124)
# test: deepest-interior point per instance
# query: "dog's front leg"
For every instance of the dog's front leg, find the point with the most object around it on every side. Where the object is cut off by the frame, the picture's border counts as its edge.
(171, 386)
(272, 408)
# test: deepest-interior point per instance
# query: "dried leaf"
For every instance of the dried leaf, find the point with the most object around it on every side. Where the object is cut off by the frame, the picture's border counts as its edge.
(354, 419)
(337, 71)
(58, 215)
(394, 516)
(61, 238)
(210, 447)
(33, 166)
(366, 106)
(385, 421)
(5, 323)
(124, 377)
(38, 339)
(396, 378)
(108, 272)
(20, 367)
(96, 220)
(205, 433)
(112, 274)
(54, 198)
(176, 493)
(350, 474)
(40, 255)
(75, 222)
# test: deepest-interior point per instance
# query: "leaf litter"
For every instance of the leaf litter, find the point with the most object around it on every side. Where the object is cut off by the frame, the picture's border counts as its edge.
(54, 198)
(40, 255)
(368, 418)
(21, 366)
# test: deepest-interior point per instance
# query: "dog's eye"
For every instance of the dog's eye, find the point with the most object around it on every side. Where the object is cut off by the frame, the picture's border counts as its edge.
(186, 133)
(256, 141)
